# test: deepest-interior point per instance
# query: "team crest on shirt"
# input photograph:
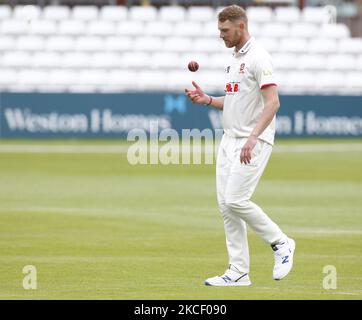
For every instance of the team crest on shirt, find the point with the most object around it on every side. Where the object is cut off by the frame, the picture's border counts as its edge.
(232, 87)
(227, 69)
(242, 68)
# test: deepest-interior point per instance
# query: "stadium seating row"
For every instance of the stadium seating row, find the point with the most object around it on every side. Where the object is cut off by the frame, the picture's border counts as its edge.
(86, 80)
(171, 44)
(165, 28)
(167, 60)
(143, 48)
(167, 13)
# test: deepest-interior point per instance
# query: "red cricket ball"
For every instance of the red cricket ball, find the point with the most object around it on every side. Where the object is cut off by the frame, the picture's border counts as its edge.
(193, 66)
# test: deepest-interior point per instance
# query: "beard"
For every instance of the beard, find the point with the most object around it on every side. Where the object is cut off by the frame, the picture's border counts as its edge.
(229, 44)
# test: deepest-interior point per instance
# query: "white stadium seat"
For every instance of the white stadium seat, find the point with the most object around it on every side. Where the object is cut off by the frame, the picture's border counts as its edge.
(218, 61)
(275, 30)
(48, 88)
(359, 62)
(293, 45)
(211, 81)
(172, 13)
(56, 13)
(354, 82)
(152, 80)
(92, 77)
(60, 43)
(269, 43)
(176, 44)
(259, 14)
(14, 27)
(200, 14)
(43, 27)
(30, 43)
(32, 77)
(137, 60)
(27, 12)
(208, 45)
(122, 80)
(76, 60)
(283, 61)
(101, 28)
(105, 60)
(254, 29)
(143, 13)
(322, 45)
(84, 13)
(8, 77)
(303, 30)
(341, 62)
(165, 60)
(338, 31)
(315, 15)
(281, 77)
(287, 14)
(350, 45)
(46, 60)
(16, 59)
(5, 12)
(72, 27)
(7, 43)
(210, 30)
(311, 62)
(130, 28)
(118, 43)
(147, 44)
(179, 80)
(159, 28)
(62, 78)
(329, 81)
(188, 29)
(299, 82)
(113, 13)
(89, 44)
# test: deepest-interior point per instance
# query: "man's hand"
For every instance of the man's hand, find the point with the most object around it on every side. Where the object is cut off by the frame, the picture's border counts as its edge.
(245, 154)
(197, 95)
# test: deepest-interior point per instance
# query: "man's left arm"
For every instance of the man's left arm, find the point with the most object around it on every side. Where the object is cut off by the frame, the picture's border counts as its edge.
(271, 106)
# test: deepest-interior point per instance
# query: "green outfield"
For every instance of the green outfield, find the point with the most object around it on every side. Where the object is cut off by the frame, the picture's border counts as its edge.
(96, 227)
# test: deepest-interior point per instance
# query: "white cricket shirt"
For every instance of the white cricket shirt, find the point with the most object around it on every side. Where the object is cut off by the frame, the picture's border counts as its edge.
(250, 69)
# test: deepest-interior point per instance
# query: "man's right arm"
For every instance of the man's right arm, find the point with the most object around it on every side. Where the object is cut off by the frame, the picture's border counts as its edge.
(216, 102)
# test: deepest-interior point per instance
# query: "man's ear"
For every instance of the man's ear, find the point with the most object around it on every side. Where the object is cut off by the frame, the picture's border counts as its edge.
(242, 26)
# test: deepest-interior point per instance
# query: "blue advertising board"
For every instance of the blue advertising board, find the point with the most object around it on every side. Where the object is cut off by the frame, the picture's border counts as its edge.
(76, 115)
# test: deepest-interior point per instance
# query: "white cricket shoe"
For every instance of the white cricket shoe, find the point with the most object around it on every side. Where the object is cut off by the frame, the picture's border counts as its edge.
(231, 277)
(283, 257)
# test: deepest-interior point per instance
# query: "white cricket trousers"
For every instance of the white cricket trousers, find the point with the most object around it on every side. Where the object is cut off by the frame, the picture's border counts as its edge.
(235, 184)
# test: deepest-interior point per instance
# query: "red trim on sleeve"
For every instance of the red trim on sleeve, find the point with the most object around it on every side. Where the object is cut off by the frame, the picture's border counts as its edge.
(268, 85)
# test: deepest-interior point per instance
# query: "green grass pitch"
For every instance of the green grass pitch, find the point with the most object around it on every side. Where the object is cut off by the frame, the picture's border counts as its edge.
(96, 227)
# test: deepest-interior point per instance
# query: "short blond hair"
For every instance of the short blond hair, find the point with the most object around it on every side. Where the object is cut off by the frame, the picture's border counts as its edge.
(233, 13)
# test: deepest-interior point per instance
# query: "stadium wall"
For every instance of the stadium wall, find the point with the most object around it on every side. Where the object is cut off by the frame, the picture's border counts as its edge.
(75, 115)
